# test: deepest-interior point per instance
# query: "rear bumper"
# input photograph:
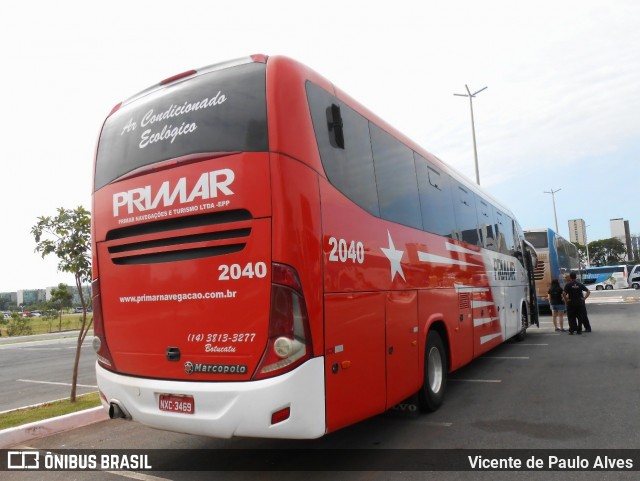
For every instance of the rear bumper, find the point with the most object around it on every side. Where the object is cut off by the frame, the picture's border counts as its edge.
(226, 409)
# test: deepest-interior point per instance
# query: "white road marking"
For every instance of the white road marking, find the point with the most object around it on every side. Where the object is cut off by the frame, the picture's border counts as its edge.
(56, 383)
(475, 380)
(504, 357)
(140, 476)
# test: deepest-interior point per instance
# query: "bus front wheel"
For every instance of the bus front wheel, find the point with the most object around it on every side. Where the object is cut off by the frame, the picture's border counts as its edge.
(524, 322)
(435, 373)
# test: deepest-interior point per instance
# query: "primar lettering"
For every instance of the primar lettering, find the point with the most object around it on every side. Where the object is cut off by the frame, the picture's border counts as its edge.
(504, 270)
(208, 186)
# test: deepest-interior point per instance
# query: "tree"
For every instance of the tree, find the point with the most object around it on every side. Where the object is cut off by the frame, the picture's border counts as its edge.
(582, 254)
(62, 298)
(68, 236)
(607, 252)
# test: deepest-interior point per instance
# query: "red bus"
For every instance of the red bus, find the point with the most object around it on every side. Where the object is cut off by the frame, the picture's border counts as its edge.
(271, 259)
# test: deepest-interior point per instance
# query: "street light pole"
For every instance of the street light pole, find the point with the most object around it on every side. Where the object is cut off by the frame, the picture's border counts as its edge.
(473, 127)
(586, 242)
(553, 196)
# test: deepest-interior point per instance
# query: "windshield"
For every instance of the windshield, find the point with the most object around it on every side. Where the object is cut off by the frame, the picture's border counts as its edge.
(538, 239)
(220, 111)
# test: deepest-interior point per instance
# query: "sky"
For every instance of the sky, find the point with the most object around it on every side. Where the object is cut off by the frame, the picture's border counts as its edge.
(561, 111)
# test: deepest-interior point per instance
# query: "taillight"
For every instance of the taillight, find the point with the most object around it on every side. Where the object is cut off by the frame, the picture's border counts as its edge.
(259, 57)
(289, 343)
(99, 341)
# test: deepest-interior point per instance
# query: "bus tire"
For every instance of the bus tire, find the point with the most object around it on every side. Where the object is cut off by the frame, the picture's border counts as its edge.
(608, 287)
(436, 364)
(524, 322)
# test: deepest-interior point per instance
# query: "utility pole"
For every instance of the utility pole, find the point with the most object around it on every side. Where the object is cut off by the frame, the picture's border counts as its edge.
(553, 196)
(586, 241)
(473, 127)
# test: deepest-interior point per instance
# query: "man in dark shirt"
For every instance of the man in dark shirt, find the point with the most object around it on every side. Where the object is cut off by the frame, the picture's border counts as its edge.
(576, 310)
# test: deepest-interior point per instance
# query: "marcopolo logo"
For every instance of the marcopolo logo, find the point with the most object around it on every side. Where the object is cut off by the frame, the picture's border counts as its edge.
(208, 186)
(194, 368)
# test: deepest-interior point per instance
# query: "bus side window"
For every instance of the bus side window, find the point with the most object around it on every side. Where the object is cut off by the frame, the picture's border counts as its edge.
(504, 229)
(486, 224)
(396, 179)
(519, 246)
(435, 199)
(466, 216)
(349, 167)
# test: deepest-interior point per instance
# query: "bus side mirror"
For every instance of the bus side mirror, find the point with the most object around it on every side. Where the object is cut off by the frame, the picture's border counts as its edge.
(334, 122)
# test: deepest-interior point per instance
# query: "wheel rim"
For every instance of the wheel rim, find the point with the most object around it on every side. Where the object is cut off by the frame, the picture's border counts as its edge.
(434, 370)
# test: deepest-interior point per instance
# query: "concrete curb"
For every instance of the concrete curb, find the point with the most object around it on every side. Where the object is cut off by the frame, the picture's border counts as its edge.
(19, 434)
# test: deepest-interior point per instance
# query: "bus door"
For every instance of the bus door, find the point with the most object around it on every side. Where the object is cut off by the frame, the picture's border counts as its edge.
(530, 260)
(464, 342)
(402, 365)
(354, 357)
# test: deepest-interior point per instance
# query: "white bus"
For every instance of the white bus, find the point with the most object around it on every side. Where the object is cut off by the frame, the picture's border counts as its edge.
(605, 277)
(634, 276)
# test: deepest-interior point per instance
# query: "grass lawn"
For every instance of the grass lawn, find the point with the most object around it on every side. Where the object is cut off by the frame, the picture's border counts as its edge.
(43, 325)
(48, 410)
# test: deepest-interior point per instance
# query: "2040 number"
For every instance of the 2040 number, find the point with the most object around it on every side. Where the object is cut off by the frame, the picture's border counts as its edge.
(236, 271)
(345, 251)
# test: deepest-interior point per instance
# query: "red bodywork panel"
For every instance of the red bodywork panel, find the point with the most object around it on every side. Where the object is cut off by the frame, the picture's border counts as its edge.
(214, 309)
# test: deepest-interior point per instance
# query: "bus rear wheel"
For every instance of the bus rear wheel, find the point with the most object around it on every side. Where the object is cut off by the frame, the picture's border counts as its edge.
(435, 373)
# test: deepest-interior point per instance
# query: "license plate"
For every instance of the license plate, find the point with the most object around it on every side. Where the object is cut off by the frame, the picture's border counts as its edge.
(177, 404)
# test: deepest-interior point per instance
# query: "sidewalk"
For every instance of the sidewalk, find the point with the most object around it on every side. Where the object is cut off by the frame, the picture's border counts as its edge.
(611, 299)
(39, 429)
(43, 337)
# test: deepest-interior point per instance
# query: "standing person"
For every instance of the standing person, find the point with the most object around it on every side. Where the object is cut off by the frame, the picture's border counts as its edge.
(576, 310)
(556, 301)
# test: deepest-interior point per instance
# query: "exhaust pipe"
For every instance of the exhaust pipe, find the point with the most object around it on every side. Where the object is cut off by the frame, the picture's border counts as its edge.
(117, 411)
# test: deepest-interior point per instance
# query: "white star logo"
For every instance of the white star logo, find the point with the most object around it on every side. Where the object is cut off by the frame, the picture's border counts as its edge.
(394, 256)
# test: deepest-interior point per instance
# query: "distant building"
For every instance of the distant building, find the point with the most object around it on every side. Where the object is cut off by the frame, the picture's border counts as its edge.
(30, 297)
(8, 300)
(75, 297)
(635, 246)
(49, 290)
(86, 293)
(620, 230)
(578, 232)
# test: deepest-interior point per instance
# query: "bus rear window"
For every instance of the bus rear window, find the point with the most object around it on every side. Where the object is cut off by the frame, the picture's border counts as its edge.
(220, 111)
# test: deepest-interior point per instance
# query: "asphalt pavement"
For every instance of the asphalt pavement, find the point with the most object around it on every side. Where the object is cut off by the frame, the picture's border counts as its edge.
(13, 436)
